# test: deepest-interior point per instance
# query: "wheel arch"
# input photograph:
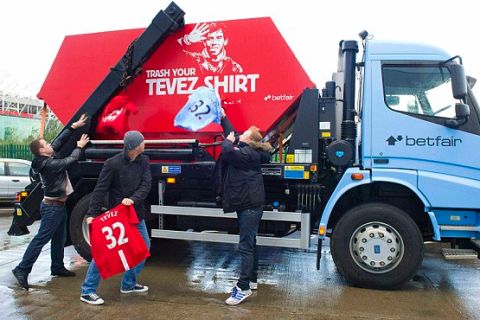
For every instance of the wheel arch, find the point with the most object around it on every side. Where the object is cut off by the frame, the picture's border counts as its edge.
(401, 193)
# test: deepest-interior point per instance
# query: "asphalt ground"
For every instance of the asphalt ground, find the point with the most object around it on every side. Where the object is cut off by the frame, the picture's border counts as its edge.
(192, 280)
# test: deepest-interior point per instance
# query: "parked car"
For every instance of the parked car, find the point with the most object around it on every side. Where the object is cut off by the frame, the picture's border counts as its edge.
(14, 177)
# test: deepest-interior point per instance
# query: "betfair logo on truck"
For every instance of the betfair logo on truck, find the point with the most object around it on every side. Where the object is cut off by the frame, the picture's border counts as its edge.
(437, 141)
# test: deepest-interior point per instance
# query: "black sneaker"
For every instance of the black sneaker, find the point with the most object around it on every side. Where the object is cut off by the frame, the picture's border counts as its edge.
(138, 288)
(91, 298)
(22, 278)
(63, 273)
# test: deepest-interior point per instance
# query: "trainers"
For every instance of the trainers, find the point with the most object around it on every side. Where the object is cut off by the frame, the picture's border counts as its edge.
(253, 285)
(138, 288)
(237, 296)
(22, 278)
(91, 298)
(63, 273)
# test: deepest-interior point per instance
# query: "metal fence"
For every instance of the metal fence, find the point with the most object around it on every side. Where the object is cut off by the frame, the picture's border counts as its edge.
(15, 151)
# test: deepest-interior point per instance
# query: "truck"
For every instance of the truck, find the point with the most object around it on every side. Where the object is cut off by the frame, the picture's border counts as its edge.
(380, 160)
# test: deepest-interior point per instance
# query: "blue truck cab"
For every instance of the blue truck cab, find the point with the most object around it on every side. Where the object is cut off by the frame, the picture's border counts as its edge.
(414, 174)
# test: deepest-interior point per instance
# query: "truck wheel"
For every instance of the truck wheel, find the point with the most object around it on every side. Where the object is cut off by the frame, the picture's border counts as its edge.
(377, 246)
(79, 228)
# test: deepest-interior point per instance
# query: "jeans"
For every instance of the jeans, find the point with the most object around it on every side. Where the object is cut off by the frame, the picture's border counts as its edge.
(52, 227)
(129, 280)
(248, 222)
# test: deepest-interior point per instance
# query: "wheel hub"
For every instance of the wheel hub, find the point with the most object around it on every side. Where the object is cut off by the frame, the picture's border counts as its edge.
(376, 247)
(85, 230)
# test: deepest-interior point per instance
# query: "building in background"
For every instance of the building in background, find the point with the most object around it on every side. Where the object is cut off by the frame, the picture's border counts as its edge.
(20, 118)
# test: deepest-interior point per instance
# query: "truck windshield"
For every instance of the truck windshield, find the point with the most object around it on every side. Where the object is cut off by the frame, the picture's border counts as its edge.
(424, 90)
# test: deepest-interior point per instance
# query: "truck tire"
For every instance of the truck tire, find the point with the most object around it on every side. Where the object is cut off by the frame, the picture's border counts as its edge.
(376, 245)
(78, 228)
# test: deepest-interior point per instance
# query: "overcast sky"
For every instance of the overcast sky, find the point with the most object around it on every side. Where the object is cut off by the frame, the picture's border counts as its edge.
(33, 30)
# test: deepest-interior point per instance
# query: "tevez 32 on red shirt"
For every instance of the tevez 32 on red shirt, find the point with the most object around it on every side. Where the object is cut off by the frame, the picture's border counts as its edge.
(117, 245)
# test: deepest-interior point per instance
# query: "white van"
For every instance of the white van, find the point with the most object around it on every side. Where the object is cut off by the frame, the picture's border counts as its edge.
(14, 177)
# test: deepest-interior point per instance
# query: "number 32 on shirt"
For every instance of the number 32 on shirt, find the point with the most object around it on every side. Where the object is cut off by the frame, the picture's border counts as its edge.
(108, 232)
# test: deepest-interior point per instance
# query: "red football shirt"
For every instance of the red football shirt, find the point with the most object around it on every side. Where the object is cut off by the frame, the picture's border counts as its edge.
(117, 245)
(114, 119)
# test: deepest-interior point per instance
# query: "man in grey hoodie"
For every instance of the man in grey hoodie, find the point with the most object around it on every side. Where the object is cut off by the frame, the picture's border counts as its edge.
(56, 186)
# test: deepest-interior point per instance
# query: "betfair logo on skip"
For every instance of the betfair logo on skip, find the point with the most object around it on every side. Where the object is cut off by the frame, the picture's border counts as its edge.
(437, 141)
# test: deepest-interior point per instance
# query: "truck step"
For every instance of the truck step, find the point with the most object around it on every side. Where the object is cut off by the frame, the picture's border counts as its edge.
(459, 254)
(302, 242)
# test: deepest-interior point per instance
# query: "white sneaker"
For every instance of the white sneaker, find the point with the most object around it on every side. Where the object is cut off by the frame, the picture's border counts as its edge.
(237, 296)
(91, 298)
(253, 285)
(138, 289)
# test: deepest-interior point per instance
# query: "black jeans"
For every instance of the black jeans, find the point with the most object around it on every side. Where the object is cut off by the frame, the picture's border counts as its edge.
(52, 227)
(248, 222)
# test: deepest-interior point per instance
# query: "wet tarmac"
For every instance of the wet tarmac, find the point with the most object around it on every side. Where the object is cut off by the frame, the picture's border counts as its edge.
(192, 280)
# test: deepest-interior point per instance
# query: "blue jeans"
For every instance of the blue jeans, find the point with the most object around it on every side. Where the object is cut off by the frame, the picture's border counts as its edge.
(52, 227)
(248, 222)
(129, 280)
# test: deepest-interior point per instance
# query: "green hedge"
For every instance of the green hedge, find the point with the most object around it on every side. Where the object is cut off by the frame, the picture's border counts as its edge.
(15, 151)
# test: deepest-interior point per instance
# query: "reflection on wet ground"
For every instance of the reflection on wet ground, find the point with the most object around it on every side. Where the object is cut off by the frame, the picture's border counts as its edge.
(192, 279)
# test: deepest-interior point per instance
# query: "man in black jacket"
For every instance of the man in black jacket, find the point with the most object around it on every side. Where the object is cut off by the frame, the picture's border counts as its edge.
(243, 192)
(127, 179)
(56, 186)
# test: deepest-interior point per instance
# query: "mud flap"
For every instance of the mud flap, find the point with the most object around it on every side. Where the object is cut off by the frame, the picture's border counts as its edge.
(319, 252)
(17, 229)
(26, 212)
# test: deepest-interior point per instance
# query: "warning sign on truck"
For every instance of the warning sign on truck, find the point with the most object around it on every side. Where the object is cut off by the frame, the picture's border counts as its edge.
(172, 169)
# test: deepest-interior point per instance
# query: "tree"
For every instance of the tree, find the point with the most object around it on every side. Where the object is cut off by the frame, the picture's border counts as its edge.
(52, 129)
(32, 136)
(11, 136)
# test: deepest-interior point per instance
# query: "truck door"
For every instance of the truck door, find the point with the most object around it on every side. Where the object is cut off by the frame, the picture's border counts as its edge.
(408, 131)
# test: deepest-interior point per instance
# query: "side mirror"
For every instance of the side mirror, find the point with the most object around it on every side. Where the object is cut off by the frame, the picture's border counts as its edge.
(462, 112)
(392, 100)
(459, 81)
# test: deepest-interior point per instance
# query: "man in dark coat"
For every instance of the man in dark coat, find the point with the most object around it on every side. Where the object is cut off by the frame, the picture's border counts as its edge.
(127, 179)
(243, 192)
(56, 185)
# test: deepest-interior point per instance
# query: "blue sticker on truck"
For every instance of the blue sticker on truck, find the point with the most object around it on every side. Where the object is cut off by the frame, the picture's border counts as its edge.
(172, 169)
